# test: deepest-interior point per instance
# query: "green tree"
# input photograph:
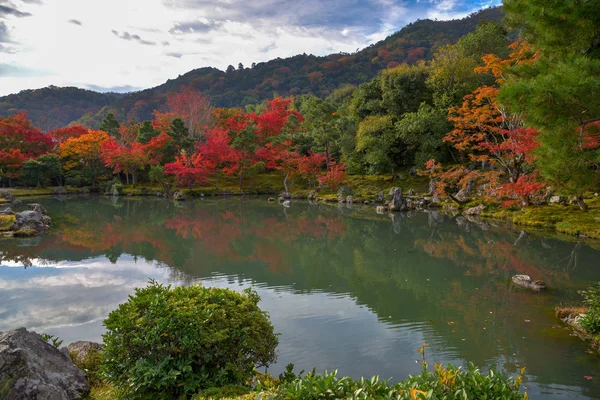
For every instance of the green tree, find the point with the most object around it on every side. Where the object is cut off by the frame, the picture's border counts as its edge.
(146, 132)
(423, 132)
(377, 140)
(321, 121)
(558, 92)
(404, 88)
(180, 134)
(110, 125)
(41, 171)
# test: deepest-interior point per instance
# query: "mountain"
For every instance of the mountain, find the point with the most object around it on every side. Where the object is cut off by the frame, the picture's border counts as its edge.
(54, 107)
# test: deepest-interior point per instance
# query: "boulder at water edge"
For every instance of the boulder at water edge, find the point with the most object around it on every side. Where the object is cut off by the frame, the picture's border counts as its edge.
(178, 196)
(474, 210)
(32, 222)
(526, 282)
(30, 368)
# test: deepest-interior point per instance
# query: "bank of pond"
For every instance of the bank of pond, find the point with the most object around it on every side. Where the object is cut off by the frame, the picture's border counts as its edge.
(344, 287)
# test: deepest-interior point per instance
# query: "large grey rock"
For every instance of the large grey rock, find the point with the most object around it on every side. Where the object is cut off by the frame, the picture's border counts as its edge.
(398, 202)
(526, 282)
(60, 191)
(474, 210)
(178, 196)
(31, 369)
(345, 191)
(32, 222)
(350, 199)
(79, 350)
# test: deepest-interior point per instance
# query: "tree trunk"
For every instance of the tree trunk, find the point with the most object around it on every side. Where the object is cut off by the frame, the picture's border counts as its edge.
(581, 202)
(133, 178)
(327, 155)
(285, 183)
(217, 183)
(127, 178)
(241, 175)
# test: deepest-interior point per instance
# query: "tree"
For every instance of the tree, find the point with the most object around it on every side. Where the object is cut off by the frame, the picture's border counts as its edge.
(110, 125)
(84, 153)
(423, 131)
(194, 108)
(41, 171)
(146, 132)
(217, 154)
(180, 134)
(557, 91)
(60, 135)
(321, 122)
(280, 157)
(404, 88)
(11, 163)
(17, 132)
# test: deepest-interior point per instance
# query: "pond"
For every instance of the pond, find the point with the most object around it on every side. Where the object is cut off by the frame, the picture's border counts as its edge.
(346, 288)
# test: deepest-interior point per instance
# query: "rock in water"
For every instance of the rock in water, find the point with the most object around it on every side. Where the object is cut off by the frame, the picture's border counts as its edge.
(526, 282)
(178, 196)
(32, 222)
(474, 210)
(30, 368)
(398, 202)
(60, 191)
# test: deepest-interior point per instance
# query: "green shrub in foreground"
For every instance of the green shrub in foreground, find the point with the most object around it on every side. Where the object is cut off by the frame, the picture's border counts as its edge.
(442, 383)
(591, 321)
(166, 342)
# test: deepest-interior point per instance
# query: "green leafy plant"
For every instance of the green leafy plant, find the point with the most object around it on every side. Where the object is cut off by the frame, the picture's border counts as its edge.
(53, 340)
(591, 321)
(91, 363)
(168, 342)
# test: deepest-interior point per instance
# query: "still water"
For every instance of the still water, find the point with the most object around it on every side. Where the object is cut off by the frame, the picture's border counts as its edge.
(346, 288)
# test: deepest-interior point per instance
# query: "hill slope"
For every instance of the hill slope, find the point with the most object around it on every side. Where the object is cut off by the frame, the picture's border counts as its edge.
(54, 107)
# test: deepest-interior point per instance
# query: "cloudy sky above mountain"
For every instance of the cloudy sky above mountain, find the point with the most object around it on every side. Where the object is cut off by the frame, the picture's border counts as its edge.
(124, 45)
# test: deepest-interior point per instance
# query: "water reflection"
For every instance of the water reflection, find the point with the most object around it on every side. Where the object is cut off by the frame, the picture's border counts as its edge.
(346, 288)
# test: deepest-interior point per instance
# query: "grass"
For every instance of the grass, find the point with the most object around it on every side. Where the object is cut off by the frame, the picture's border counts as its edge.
(569, 220)
(6, 221)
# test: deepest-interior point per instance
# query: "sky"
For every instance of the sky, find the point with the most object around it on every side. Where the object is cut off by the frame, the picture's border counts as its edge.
(126, 45)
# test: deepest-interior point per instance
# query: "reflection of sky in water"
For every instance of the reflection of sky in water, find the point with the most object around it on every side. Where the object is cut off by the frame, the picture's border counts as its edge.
(321, 330)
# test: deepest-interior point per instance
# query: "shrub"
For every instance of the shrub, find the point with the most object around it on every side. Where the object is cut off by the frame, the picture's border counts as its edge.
(166, 342)
(443, 383)
(591, 321)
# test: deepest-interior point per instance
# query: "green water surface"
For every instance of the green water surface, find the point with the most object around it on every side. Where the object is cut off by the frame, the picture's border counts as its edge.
(346, 288)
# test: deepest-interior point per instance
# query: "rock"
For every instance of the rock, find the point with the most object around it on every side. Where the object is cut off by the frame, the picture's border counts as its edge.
(366, 202)
(380, 197)
(350, 199)
(287, 203)
(393, 190)
(411, 192)
(114, 191)
(526, 282)
(79, 350)
(413, 171)
(474, 210)
(271, 199)
(557, 200)
(32, 222)
(5, 194)
(596, 194)
(398, 202)
(178, 195)
(30, 368)
(381, 209)
(312, 196)
(6, 211)
(285, 196)
(37, 207)
(60, 191)
(432, 188)
(344, 191)
(341, 199)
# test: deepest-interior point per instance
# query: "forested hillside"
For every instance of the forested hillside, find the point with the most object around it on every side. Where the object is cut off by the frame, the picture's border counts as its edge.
(52, 107)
